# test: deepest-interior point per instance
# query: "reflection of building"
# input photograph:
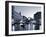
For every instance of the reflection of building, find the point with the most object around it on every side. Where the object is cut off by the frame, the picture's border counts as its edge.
(37, 17)
(31, 24)
(28, 23)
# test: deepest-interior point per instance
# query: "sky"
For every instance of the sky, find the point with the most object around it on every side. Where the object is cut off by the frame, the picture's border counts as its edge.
(27, 11)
